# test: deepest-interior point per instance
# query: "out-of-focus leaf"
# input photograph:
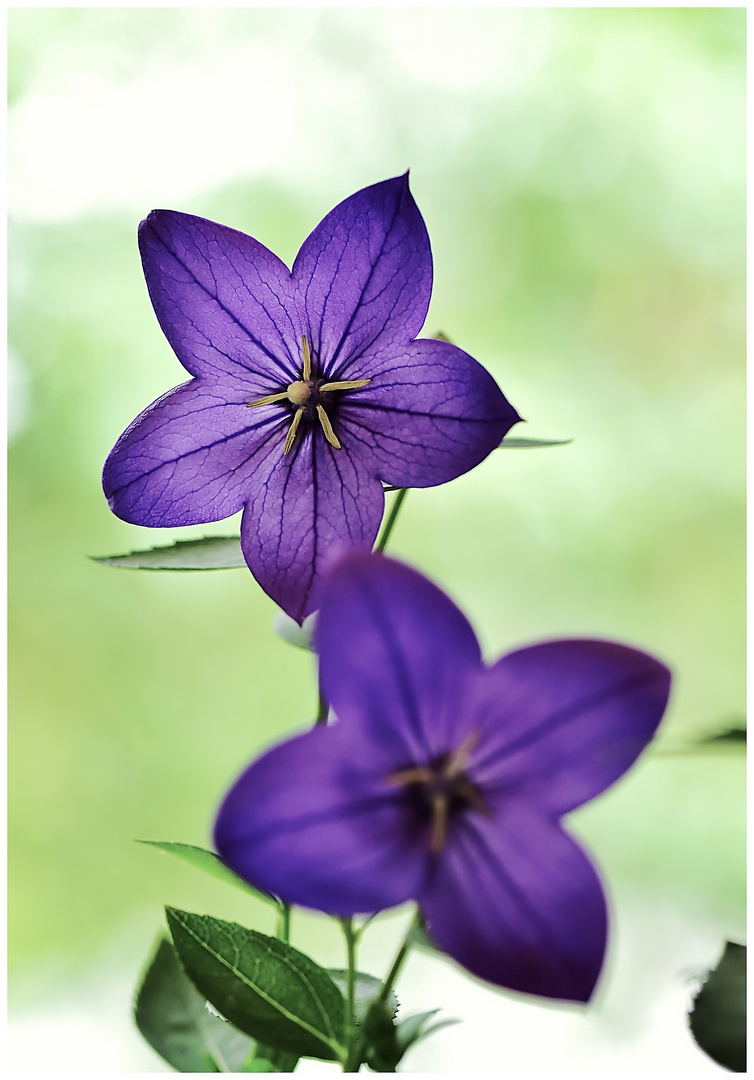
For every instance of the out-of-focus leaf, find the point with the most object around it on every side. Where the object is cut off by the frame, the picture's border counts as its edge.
(381, 1049)
(174, 1019)
(514, 443)
(209, 553)
(730, 738)
(211, 864)
(733, 735)
(718, 1015)
(418, 938)
(414, 1028)
(266, 988)
(367, 988)
(268, 1059)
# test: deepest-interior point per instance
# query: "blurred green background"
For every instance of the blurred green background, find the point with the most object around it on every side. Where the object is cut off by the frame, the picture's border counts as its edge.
(581, 174)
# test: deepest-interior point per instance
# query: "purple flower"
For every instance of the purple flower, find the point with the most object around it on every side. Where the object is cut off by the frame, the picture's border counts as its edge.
(308, 387)
(444, 780)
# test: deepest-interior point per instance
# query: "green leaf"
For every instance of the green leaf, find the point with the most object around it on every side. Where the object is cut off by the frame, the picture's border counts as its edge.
(267, 1059)
(732, 738)
(718, 1015)
(366, 989)
(208, 553)
(211, 864)
(531, 444)
(418, 938)
(266, 988)
(414, 1028)
(733, 735)
(174, 1019)
(289, 630)
(381, 1052)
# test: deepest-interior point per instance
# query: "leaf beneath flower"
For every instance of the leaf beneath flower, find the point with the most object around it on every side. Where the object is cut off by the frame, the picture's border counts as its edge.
(211, 864)
(733, 735)
(718, 1017)
(418, 938)
(174, 1019)
(267, 1059)
(208, 553)
(531, 444)
(266, 988)
(414, 1028)
(367, 988)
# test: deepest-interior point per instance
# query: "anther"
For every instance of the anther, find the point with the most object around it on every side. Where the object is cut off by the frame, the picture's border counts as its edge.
(307, 358)
(347, 384)
(268, 400)
(292, 431)
(330, 435)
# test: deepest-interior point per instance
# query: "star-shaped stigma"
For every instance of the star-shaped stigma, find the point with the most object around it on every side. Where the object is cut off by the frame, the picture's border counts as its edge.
(309, 398)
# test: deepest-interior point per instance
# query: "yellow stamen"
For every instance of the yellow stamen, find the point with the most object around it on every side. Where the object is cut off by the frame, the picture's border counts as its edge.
(292, 431)
(267, 400)
(307, 358)
(461, 757)
(439, 822)
(416, 775)
(348, 384)
(330, 435)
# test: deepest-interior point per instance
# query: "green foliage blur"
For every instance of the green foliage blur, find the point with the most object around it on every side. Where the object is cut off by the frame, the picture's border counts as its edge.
(581, 174)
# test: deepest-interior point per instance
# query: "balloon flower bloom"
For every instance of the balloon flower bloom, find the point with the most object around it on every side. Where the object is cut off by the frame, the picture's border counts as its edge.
(443, 780)
(308, 389)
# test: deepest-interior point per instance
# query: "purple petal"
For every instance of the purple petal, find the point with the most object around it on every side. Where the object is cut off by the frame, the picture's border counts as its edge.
(517, 902)
(563, 720)
(301, 507)
(395, 657)
(364, 275)
(189, 457)
(313, 823)
(223, 300)
(429, 414)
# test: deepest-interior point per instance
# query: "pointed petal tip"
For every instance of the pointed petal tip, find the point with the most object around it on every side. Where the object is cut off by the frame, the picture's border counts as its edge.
(154, 217)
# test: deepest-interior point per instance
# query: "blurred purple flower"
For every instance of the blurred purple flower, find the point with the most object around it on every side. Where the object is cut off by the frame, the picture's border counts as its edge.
(444, 780)
(341, 395)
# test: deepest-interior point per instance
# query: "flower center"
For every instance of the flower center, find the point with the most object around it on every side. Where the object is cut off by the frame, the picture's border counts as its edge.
(443, 789)
(299, 392)
(307, 395)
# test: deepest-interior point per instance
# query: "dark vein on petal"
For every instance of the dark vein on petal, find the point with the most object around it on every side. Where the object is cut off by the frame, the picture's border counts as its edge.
(400, 668)
(360, 304)
(375, 407)
(572, 712)
(362, 805)
(263, 348)
(200, 450)
(488, 858)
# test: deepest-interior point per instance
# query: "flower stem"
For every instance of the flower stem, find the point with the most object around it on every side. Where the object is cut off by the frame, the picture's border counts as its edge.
(353, 1042)
(284, 924)
(400, 956)
(394, 510)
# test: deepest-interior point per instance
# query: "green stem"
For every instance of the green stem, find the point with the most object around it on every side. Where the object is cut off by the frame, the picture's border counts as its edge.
(284, 924)
(400, 956)
(394, 510)
(353, 1042)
